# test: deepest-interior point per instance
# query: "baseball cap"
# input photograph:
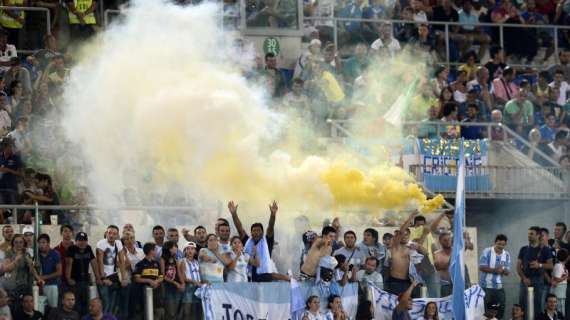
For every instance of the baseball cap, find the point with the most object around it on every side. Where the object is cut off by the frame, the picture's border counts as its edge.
(28, 229)
(81, 236)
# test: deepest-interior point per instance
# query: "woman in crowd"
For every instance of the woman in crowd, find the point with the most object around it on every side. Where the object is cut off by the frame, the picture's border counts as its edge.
(190, 271)
(19, 268)
(445, 96)
(335, 311)
(212, 262)
(239, 261)
(173, 285)
(312, 309)
(440, 80)
(430, 312)
(131, 256)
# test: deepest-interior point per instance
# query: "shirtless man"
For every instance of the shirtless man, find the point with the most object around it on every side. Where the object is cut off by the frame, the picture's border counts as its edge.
(399, 280)
(442, 258)
(321, 247)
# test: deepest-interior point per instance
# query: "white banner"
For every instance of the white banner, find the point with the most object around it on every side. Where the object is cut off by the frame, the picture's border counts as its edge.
(385, 303)
(264, 301)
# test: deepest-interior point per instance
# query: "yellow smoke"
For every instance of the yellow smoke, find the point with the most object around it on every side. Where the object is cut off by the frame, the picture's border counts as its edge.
(176, 111)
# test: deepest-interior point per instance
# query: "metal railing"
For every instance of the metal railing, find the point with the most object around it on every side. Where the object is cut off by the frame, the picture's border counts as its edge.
(48, 19)
(446, 25)
(342, 128)
(552, 183)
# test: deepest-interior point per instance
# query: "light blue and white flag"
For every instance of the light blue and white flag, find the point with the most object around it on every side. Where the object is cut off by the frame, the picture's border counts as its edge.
(297, 300)
(457, 265)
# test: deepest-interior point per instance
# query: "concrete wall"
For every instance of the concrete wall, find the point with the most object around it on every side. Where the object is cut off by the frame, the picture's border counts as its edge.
(513, 218)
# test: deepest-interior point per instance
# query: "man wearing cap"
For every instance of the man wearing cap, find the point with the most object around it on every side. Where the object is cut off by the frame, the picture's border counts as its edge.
(78, 258)
(28, 232)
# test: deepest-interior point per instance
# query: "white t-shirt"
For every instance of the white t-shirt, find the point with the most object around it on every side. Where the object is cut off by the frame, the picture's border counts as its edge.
(374, 277)
(564, 87)
(225, 248)
(559, 271)
(134, 258)
(393, 47)
(239, 273)
(110, 257)
(6, 55)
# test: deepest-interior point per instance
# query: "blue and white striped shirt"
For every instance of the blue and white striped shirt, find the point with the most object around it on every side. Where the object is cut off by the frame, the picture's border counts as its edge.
(492, 260)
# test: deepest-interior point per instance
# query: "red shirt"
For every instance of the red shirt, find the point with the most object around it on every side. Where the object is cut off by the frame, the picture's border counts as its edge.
(61, 249)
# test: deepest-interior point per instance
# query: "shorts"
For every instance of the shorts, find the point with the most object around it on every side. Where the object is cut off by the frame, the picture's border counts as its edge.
(262, 277)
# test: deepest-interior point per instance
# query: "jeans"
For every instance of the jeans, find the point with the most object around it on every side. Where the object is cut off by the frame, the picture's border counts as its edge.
(109, 296)
(432, 284)
(81, 290)
(538, 284)
(496, 296)
(51, 292)
(124, 302)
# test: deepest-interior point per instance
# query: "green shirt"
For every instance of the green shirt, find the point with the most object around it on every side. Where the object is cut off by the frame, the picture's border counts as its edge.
(513, 106)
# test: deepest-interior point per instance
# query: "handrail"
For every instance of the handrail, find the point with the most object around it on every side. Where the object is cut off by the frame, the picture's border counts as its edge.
(46, 10)
(106, 15)
(446, 25)
(336, 125)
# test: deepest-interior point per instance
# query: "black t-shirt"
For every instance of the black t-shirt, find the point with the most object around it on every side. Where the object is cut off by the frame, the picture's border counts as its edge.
(9, 180)
(148, 269)
(21, 315)
(439, 14)
(494, 70)
(60, 314)
(80, 263)
(528, 254)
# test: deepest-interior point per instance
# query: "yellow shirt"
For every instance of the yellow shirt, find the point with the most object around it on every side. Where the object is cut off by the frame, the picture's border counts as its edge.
(82, 6)
(9, 22)
(416, 233)
(331, 88)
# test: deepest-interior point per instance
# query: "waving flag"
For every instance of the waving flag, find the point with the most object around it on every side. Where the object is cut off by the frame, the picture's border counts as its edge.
(457, 265)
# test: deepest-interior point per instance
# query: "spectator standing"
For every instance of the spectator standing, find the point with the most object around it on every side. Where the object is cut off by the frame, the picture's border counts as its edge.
(468, 18)
(173, 236)
(354, 254)
(564, 65)
(272, 76)
(19, 135)
(369, 273)
(559, 232)
(10, 167)
(158, 236)
(109, 262)
(132, 255)
(20, 269)
(7, 51)
(496, 65)
(442, 259)
(223, 233)
(494, 263)
(173, 285)
(549, 129)
(51, 270)
(7, 234)
(533, 261)
(66, 232)
(558, 148)
(82, 18)
(77, 260)
(371, 246)
(335, 311)
(399, 280)
(66, 311)
(560, 279)
(212, 262)
(240, 260)
(147, 273)
(191, 273)
(96, 311)
(13, 20)
(263, 243)
(313, 52)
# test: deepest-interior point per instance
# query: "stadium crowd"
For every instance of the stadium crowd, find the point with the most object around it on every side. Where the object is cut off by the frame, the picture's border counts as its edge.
(416, 254)
(326, 82)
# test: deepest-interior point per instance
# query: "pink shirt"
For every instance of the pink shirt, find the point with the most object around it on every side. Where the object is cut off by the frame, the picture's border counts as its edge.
(504, 90)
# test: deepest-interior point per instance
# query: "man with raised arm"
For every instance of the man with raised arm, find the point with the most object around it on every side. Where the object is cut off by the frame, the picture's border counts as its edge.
(263, 244)
(399, 280)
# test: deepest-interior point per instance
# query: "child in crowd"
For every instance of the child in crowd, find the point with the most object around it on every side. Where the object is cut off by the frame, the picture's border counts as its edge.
(560, 278)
